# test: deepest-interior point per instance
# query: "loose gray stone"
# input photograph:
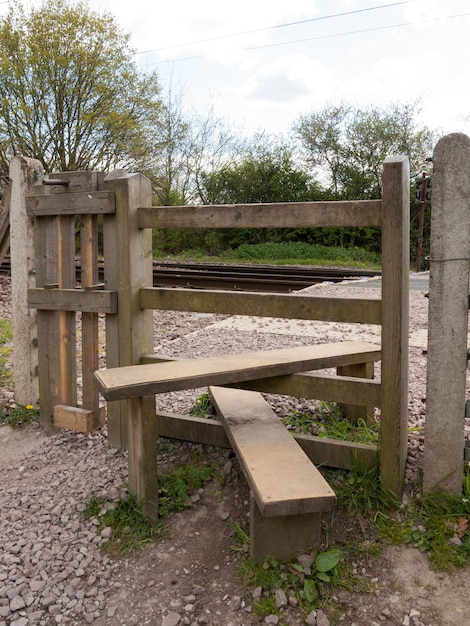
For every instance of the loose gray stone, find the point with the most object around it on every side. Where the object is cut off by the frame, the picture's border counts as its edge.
(280, 598)
(322, 619)
(172, 619)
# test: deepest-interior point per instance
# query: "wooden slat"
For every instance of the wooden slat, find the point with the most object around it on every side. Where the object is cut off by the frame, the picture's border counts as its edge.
(320, 450)
(89, 300)
(90, 202)
(143, 380)
(77, 418)
(90, 331)
(349, 310)
(395, 324)
(264, 215)
(325, 387)
(280, 475)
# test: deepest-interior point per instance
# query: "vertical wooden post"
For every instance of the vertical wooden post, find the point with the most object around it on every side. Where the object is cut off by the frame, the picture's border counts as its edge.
(24, 173)
(129, 333)
(395, 322)
(448, 316)
(355, 412)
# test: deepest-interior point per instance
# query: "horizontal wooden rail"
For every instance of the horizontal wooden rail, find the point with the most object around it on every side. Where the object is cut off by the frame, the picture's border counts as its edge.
(136, 381)
(85, 300)
(350, 310)
(264, 215)
(320, 450)
(81, 203)
(325, 387)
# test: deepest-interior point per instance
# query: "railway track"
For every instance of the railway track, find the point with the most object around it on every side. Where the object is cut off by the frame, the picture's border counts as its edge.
(264, 278)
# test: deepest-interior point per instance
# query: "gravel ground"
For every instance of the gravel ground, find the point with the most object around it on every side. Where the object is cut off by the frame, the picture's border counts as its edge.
(52, 570)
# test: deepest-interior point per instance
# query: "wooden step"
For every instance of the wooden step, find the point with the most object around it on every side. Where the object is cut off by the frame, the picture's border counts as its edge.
(144, 380)
(288, 492)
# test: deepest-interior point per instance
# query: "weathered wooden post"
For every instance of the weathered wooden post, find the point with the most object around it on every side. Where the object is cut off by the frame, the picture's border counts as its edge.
(129, 332)
(395, 322)
(448, 316)
(24, 174)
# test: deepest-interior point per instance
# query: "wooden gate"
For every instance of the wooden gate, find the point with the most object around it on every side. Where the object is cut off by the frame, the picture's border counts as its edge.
(56, 205)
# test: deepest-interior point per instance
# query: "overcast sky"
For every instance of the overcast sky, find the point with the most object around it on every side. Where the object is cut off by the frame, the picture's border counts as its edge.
(262, 63)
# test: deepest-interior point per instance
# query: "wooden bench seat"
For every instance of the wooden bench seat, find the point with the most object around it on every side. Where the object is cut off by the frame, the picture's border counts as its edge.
(144, 380)
(288, 492)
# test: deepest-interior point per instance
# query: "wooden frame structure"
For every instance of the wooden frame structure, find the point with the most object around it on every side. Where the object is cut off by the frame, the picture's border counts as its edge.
(127, 298)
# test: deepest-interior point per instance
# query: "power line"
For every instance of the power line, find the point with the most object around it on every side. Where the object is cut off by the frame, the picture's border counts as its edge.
(343, 34)
(353, 32)
(260, 30)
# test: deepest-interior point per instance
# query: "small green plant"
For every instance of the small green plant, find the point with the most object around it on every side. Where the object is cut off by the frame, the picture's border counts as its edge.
(304, 581)
(175, 487)
(437, 524)
(19, 416)
(202, 407)
(131, 529)
(6, 335)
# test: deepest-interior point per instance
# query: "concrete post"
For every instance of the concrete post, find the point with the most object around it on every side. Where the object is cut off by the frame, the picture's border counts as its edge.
(24, 173)
(448, 316)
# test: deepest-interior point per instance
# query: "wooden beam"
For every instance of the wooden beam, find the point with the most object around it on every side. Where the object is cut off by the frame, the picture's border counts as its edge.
(89, 300)
(350, 310)
(280, 475)
(76, 418)
(264, 215)
(90, 202)
(143, 380)
(320, 450)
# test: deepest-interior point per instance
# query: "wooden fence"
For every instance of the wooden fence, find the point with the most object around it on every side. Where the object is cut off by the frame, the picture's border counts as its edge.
(57, 205)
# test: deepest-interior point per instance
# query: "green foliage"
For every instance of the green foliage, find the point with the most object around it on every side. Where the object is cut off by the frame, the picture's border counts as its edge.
(437, 524)
(70, 93)
(175, 487)
(307, 253)
(131, 529)
(302, 581)
(202, 407)
(328, 421)
(19, 416)
(6, 349)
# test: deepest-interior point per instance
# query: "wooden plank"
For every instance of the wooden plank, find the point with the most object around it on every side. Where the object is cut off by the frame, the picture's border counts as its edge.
(320, 450)
(294, 306)
(326, 387)
(264, 215)
(282, 537)
(129, 333)
(76, 418)
(395, 322)
(90, 344)
(89, 202)
(88, 300)
(143, 380)
(279, 473)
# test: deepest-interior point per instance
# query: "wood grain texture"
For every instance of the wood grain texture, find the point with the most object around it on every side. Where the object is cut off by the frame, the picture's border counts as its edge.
(143, 380)
(280, 475)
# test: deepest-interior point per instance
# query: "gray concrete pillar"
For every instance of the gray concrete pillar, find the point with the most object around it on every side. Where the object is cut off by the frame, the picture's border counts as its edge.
(24, 173)
(448, 316)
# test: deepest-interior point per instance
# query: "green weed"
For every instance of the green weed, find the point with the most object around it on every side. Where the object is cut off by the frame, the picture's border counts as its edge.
(6, 349)
(131, 529)
(20, 416)
(304, 581)
(438, 525)
(202, 406)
